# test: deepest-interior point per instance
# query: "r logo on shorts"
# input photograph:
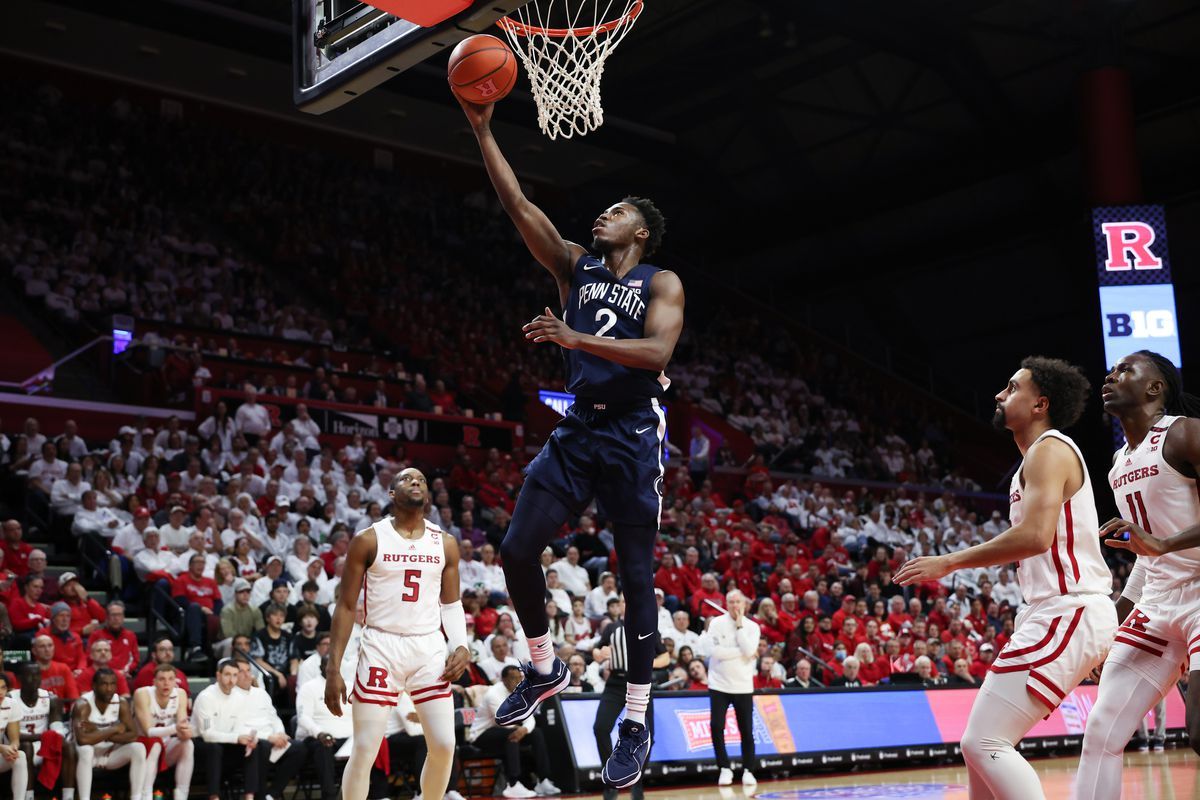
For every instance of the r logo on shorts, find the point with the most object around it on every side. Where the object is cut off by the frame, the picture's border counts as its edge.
(376, 678)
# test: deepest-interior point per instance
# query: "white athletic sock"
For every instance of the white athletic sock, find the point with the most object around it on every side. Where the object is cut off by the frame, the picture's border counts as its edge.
(1122, 702)
(85, 756)
(637, 700)
(1001, 716)
(69, 794)
(541, 652)
(437, 720)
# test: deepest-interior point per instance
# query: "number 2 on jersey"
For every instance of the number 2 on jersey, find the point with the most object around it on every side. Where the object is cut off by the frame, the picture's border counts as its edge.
(412, 578)
(1135, 506)
(610, 318)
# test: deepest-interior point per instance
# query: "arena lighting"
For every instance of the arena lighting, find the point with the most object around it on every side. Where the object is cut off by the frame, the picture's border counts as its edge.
(1137, 298)
(122, 333)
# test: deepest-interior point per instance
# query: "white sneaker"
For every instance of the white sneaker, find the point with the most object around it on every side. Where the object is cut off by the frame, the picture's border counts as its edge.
(725, 778)
(453, 795)
(749, 782)
(546, 788)
(518, 789)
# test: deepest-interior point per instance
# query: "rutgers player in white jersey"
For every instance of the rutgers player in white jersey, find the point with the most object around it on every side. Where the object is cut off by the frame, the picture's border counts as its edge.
(105, 738)
(408, 570)
(1154, 483)
(12, 757)
(161, 711)
(38, 711)
(1068, 624)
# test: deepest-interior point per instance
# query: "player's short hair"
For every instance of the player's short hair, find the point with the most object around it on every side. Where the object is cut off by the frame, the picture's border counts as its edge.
(165, 668)
(1063, 384)
(100, 674)
(656, 223)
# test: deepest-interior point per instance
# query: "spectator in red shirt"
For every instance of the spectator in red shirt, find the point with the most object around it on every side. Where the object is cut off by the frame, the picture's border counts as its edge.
(981, 665)
(772, 625)
(846, 611)
(850, 635)
(897, 616)
(68, 646)
(57, 678)
(669, 578)
(16, 552)
(789, 610)
(100, 657)
(763, 679)
(27, 613)
(697, 675)
(708, 591)
(163, 653)
(86, 614)
(123, 643)
(199, 599)
(690, 572)
(740, 577)
(823, 639)
(762, 551)
(494, 493)
(339, 545)
(872, 669)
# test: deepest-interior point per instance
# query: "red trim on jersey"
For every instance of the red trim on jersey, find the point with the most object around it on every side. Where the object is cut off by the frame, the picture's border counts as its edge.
(1194, 651)
(1058, 567)
(1040, 678)
(1138, 645)
(429, 697)
(1126, 629)
(1071, 540)
(434, 687)
(1046, 659)
(366, 593)
(356, 696)
(1034, 647)
(1039, 696)
(358, 687)
(1193, 640)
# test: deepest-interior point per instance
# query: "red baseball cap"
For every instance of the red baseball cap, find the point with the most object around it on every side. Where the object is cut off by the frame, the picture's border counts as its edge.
(141, 513)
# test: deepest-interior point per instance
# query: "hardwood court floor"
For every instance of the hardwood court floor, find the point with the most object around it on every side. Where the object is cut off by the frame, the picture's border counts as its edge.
(1169, 775)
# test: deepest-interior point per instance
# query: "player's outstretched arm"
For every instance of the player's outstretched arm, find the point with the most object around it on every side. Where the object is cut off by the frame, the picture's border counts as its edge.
(664, 322)
(360, 556)
(454, 620)
(1183, 447)
(1050, 467)
(541, 237)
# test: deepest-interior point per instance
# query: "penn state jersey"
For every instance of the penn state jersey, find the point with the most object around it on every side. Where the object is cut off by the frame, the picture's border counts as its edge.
(1151, 493)
(601, 305)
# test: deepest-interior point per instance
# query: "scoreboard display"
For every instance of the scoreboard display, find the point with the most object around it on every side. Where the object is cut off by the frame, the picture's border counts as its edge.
(1137, 298)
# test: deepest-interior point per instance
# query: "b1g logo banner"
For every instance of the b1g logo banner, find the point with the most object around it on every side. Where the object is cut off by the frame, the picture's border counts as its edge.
(1139, 318)
(1131, 245)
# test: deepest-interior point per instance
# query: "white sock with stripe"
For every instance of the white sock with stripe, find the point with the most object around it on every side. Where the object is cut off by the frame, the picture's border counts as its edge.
(541, 652)
(637, 700)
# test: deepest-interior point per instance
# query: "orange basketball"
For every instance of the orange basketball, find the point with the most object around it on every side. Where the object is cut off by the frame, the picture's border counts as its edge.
(482, 69)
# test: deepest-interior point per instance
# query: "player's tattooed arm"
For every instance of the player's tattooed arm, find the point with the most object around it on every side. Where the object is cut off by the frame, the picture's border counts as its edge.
(1182, 452)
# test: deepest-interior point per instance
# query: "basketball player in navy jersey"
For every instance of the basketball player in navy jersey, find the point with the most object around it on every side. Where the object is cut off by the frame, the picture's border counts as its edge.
(620, 322)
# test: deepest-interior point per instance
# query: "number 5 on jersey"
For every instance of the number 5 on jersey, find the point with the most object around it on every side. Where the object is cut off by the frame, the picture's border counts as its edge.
(412, 585)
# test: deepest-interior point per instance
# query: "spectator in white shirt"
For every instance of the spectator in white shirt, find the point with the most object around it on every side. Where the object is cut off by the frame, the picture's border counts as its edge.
(493, 574)
(499, 659)
(596, 604)
(196, 546)
(1007, 591)
(557, 593)
(219, 717)
(572, 575)
(130, 539)
(471, 574)
(175, 534)
(274, 541)
(253, 420)
(90, 518)
(306, 428)
(734, 638)
(322, 733)
(260, 590)
(47, 469)
(494, 740)
(274, 745)
(680, 633)
(151, 559)
(76, 447)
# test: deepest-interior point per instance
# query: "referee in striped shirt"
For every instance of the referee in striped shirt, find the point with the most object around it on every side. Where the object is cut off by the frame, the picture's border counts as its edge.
(612, 648)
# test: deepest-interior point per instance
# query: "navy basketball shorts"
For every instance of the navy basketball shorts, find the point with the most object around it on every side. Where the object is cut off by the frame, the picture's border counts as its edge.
(610, 453)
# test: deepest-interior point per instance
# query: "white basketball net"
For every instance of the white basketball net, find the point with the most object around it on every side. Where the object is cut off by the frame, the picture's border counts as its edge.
(565, 63)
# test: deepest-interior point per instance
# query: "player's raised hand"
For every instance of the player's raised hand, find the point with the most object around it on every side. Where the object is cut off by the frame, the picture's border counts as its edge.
(335, 693)
(480, 116)
(1125, 535)
(919, 570)
(546, 327)
(456, 664)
